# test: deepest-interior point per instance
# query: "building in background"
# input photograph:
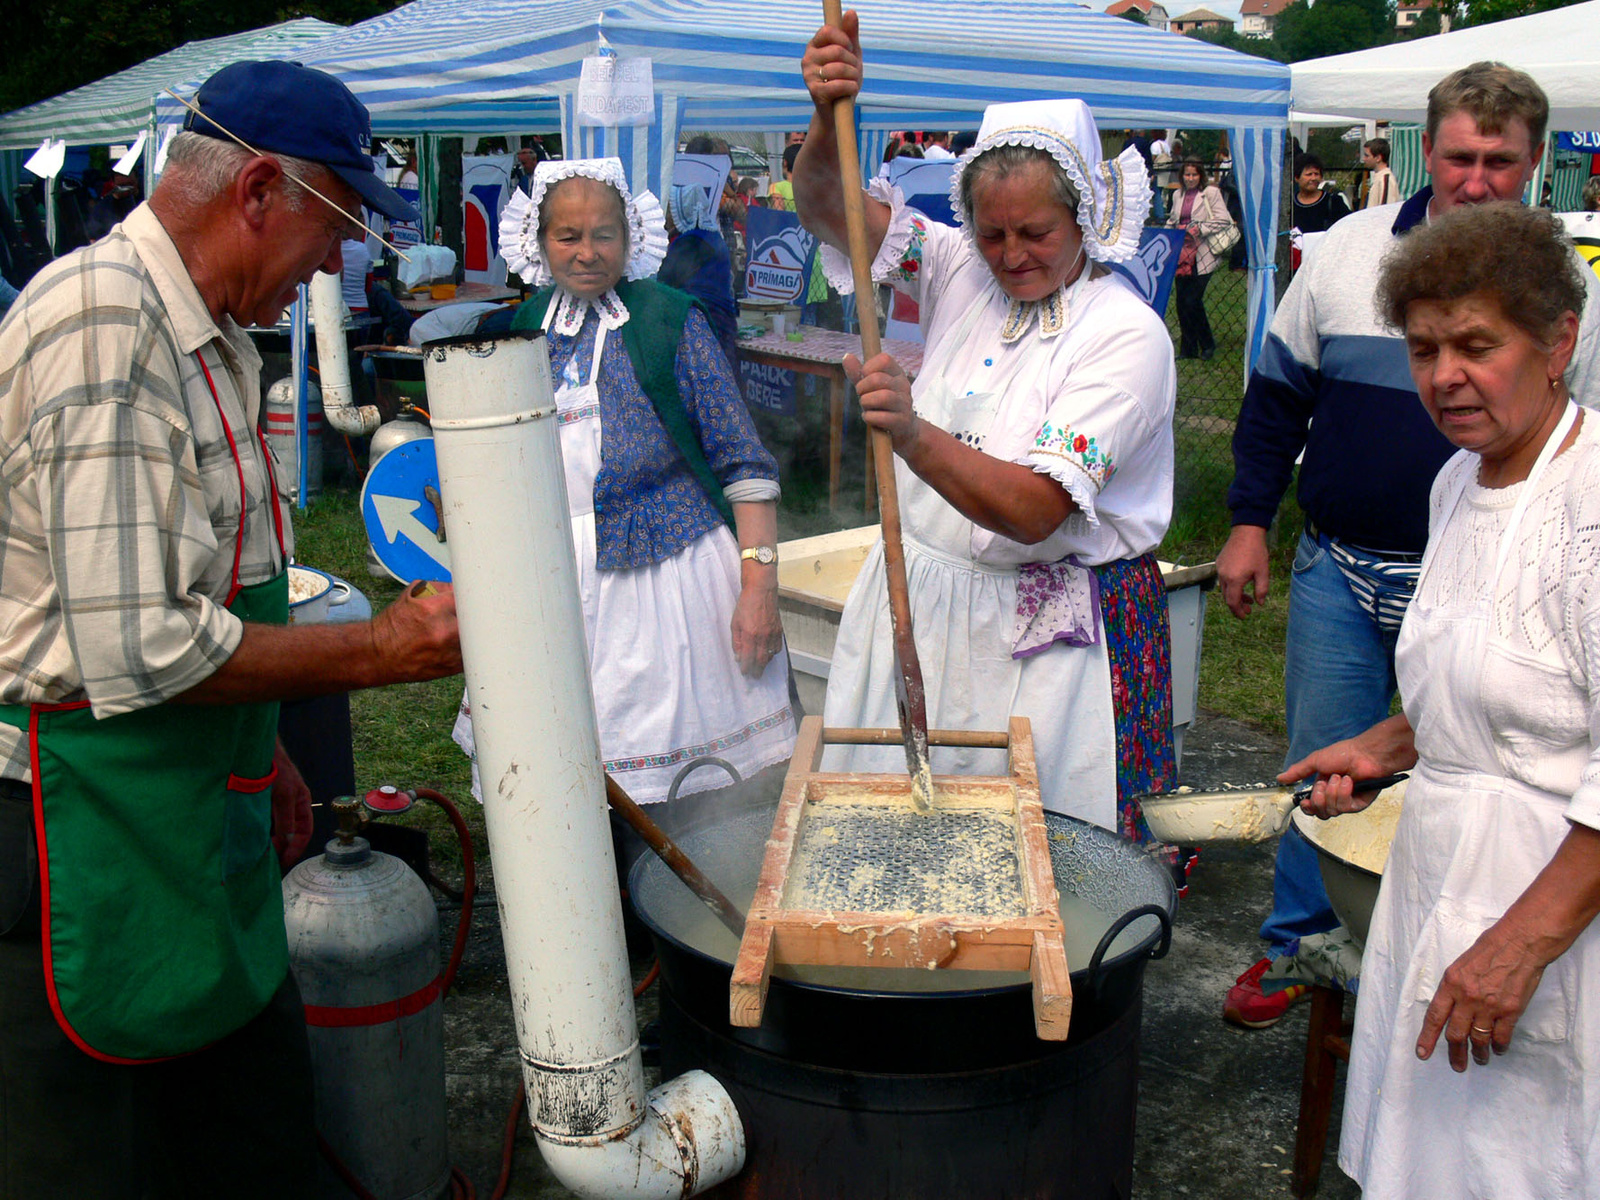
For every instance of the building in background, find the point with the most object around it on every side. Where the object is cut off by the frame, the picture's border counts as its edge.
(1407, 13)
(1197, 19)
(1257, 17)
(1155, 15)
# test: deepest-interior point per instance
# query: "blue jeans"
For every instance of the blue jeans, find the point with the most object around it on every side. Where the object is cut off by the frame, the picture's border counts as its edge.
(1338, 680)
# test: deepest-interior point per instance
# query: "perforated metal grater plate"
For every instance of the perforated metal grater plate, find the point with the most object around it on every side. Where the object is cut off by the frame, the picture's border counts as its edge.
(888, 858)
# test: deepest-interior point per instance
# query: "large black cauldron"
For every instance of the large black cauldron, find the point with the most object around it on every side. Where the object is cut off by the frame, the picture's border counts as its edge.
(853, 1093)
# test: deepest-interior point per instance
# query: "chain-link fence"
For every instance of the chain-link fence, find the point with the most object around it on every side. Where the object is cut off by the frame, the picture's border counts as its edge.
(1209, 394)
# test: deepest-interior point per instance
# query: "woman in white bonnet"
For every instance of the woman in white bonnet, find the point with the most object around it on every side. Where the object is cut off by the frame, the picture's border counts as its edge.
(672, 498)
(1033, 453)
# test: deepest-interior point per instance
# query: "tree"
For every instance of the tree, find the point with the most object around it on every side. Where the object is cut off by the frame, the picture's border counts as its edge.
(1230, 39)
(1332, 27)
(1134, 15)
(53, 46)
(1486, 12)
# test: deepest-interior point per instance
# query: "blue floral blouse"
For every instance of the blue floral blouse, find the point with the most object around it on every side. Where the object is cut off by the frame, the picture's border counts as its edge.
(647, 503)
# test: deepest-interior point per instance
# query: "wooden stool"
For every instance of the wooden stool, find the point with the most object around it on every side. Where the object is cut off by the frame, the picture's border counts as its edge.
(1327, 1045)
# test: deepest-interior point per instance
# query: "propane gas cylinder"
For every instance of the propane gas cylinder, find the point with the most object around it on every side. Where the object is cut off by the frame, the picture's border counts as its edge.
(364, 948)
(280, 405)
(406, 427)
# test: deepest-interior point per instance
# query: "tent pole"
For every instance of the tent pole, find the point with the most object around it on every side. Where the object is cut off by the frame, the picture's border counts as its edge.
(298, 369)
(50, 212)
(428, 183)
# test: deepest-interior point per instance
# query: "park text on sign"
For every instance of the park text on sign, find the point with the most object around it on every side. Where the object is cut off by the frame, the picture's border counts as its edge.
(616, 91)
(767, 387)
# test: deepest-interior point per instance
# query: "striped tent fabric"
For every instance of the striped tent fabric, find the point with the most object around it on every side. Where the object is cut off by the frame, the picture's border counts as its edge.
(1569, 178)
(1262, 151)
(1405, 158)
(508, 66)
(121, 106)
(646, 151)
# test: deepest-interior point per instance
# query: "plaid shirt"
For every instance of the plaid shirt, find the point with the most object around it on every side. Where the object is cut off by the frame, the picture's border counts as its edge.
(119, 495)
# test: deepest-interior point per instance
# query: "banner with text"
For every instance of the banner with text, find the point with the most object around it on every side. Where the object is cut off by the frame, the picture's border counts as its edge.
(616, 91)
(778, 270)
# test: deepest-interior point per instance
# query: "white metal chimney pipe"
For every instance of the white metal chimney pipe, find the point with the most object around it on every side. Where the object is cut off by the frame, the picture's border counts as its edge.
(333, 360)
(522, 642)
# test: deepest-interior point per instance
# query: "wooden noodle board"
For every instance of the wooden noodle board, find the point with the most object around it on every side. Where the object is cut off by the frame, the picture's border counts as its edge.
(1013, 923)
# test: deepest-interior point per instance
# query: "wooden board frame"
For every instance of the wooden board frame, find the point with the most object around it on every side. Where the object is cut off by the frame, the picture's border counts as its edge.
(945, 941)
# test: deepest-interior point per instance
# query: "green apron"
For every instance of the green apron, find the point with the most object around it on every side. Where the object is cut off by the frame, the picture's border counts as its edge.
(161, 901)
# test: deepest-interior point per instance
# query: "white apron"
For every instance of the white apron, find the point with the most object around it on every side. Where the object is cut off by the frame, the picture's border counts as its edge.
(963, 610)
(667, 685)
(1470, 840)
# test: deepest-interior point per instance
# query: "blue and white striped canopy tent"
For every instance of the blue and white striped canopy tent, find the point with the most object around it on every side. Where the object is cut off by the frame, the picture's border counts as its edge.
(510, 66)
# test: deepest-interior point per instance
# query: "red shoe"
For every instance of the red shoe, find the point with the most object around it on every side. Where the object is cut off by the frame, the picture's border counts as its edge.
(1251, 1008)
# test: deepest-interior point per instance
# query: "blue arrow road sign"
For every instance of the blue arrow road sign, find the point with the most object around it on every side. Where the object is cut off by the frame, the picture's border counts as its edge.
(401, 520)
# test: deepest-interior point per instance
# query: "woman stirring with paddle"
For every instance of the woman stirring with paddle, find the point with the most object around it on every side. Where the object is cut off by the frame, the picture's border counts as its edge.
(1033, 454)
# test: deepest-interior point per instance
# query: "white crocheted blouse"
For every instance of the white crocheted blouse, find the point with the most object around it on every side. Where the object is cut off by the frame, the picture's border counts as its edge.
(1541, 702)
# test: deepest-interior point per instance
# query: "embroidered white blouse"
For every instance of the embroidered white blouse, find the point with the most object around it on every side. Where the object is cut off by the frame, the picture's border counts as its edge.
(1080, 386)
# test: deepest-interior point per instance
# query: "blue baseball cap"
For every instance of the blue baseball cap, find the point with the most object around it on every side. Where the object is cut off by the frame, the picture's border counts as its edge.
(285, 108)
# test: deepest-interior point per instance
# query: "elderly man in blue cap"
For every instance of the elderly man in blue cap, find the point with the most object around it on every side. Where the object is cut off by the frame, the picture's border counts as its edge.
(152, 1042)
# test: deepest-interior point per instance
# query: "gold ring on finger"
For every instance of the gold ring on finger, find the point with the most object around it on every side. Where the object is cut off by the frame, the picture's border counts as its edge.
(1482, 1030)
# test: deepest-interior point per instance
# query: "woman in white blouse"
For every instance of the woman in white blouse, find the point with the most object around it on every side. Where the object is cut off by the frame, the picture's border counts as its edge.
(1033, 452)
(1482, 931)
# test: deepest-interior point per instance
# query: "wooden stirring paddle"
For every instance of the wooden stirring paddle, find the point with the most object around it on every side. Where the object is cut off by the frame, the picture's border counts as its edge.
(908, 691)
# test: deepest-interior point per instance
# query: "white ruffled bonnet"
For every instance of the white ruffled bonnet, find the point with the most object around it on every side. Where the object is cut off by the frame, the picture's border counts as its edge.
(519, 222)
(1114, 194)
(690, 207)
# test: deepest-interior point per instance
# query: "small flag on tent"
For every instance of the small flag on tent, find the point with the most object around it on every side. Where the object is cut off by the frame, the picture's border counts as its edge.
(47, 161)
(126, 163)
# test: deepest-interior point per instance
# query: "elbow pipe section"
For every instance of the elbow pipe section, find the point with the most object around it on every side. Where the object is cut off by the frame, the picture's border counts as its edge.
(689, 1141)
(333, 360)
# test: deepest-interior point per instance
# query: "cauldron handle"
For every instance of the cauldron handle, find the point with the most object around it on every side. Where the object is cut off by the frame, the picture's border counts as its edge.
(689, 767)
(1121, 923)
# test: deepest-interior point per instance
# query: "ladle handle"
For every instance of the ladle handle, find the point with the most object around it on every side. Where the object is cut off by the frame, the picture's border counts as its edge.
(667, 850)
(1096, 973)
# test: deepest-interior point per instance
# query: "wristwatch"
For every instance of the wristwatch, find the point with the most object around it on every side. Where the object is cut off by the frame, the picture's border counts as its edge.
(765, 555)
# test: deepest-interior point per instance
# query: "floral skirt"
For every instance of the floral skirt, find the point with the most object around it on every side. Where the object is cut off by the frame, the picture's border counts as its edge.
(1133, 611)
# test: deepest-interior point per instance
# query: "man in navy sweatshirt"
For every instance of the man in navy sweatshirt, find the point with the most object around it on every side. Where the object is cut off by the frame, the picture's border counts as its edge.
(1333, 382)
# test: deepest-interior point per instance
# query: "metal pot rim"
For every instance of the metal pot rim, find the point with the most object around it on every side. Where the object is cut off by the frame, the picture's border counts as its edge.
(1081, 975)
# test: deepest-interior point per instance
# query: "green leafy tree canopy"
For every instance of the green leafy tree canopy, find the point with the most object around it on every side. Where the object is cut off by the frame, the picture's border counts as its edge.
(53, 46)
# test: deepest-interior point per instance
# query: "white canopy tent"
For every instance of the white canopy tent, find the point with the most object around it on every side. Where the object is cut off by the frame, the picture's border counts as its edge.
(507, 66)
(1559, 48)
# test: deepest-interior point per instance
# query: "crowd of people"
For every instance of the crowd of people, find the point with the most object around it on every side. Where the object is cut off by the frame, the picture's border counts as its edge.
(1426, 380)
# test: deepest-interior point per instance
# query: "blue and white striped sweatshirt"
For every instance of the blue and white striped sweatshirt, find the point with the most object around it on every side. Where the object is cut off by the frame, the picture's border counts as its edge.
(1333, 381)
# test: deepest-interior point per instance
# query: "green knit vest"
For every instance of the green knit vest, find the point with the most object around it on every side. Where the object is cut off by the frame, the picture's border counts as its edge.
(656, 317)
